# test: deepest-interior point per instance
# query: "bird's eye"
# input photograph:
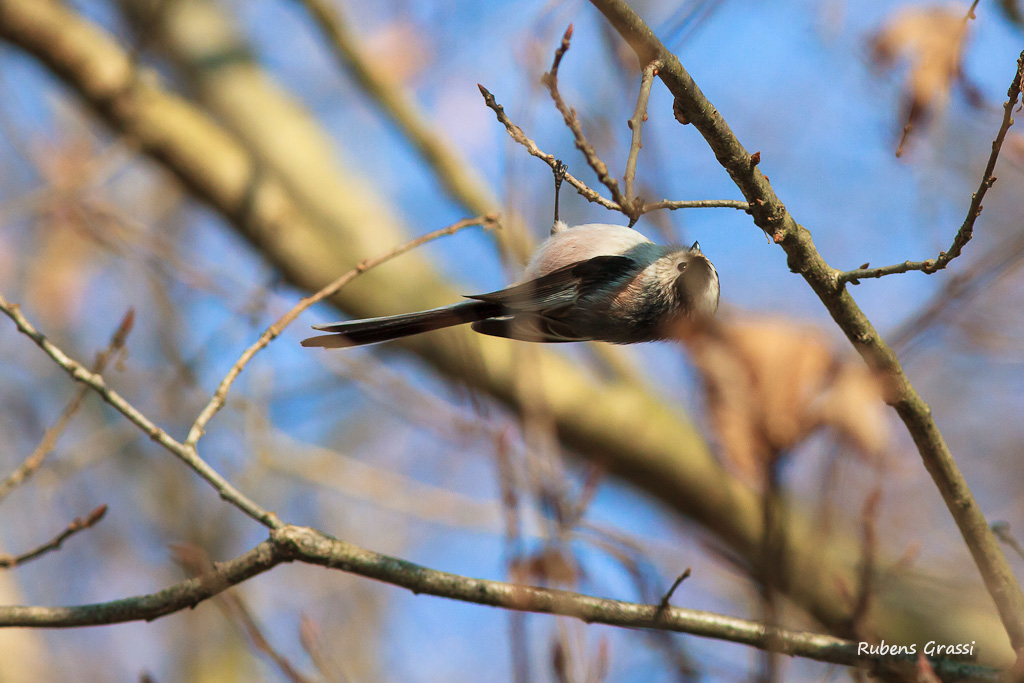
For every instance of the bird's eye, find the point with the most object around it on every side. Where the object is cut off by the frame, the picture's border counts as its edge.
(681, 266)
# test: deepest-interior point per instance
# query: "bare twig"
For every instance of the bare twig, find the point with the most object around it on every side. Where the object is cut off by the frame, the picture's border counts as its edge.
(966, 231)
(664, 604)
(301, 544)
(550, 80)
(272, 332)
(672, 205)
(517, 134)
(771, 216)
(584, 190)
(34, 461)
(957, 291)
(636, 124)
(79, 524)
(185, 453)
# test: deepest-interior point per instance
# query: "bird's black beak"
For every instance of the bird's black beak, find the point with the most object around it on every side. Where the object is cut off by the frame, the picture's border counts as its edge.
(696, 247)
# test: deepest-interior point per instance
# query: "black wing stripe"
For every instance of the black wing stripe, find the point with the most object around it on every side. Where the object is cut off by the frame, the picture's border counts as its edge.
(561, 287)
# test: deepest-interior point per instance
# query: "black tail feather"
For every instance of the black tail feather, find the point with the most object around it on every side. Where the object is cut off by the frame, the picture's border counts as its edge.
(374, 330)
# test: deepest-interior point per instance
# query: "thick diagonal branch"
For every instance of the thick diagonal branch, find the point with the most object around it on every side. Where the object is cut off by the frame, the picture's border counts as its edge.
(771, 216)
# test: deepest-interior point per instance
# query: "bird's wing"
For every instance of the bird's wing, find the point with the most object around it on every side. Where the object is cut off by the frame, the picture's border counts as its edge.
(528, 327)
(555, 293)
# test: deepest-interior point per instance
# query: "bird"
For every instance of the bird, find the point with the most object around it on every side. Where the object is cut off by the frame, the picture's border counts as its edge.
(594, 282)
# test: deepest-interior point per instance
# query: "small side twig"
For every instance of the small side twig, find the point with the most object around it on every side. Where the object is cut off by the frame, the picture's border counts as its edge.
(79, 524)
(517, 134)
(584, 190)
(663, 604)
(220, 395)
(966, 231)
(550, 80)
(35, 460)
(636, 124)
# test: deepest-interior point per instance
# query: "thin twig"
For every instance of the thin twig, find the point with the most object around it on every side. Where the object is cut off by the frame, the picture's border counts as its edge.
(550, 80)
(664, 603)
(301, 544)
(272, 332)
(584, 190)
(517, 134)
(672, 205)
(636, 124)
(185, 453)
(79, 524)
(34, 461)
(957, 291)
(966, 231)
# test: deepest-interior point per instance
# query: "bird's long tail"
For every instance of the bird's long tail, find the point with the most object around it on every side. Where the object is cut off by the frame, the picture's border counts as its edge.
(373, 330)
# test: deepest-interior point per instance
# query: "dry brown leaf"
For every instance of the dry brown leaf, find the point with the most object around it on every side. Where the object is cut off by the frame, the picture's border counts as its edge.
(770, 383)
(930, 38)
(65, 258)
(399, 51)
(58, 275)
(853, 406)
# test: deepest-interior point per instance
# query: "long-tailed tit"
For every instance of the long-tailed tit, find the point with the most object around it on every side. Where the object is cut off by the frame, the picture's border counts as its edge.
(594, 282)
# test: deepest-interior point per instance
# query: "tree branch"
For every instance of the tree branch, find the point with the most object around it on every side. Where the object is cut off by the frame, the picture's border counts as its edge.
(674, 204)
(301, 544)
(771, 216)
(584, 190)
(966, 231)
